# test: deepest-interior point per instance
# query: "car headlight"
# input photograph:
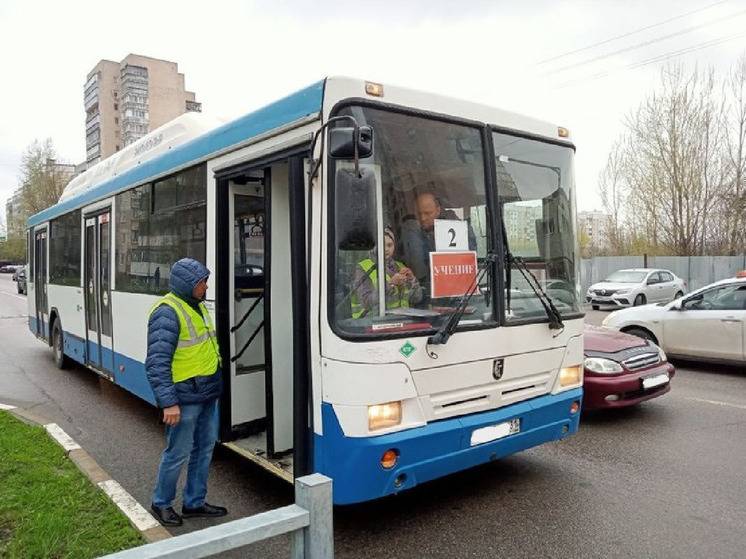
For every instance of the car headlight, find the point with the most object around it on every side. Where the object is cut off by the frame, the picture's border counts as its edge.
(602, 366)
(662, 355)
(622, 291)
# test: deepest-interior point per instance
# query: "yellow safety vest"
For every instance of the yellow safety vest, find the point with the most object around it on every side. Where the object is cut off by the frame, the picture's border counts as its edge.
(197, 353)
(402, 301)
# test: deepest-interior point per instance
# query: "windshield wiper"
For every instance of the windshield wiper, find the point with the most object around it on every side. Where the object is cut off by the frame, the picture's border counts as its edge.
(442, 336)
(555, 318)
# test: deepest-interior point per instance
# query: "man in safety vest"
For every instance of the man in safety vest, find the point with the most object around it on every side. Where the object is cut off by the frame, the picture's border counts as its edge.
(183, 368)
(402, 288)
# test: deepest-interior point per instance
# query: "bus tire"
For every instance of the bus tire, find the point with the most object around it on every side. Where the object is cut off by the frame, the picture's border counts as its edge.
(61, 360)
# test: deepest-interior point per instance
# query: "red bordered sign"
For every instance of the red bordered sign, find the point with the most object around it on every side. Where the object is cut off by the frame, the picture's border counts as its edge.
(452, 274)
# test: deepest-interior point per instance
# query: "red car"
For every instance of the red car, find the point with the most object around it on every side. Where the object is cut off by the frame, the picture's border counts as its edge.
(622, 370)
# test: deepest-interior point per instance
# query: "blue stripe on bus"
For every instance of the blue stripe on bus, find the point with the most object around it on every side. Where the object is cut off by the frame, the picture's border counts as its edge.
(93, 356)
(276, 115)
(74, 347)
(38, 328)
(436, 449)
(130, 375)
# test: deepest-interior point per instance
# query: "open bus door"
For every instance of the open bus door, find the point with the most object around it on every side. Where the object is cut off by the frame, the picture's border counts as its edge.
(260, 320)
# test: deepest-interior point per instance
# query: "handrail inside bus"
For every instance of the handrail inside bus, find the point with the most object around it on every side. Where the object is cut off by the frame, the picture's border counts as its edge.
(251, 309)
(248, 343)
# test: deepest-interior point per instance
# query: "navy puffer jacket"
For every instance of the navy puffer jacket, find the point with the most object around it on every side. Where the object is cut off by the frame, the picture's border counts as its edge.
(163, 335)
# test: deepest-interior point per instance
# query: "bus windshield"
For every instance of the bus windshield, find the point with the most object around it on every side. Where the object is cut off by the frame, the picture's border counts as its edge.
(535, 186)
(431, 230)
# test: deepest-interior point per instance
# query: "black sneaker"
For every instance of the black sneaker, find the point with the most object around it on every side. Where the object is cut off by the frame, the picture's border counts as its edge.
(206, 510)
(167, 516)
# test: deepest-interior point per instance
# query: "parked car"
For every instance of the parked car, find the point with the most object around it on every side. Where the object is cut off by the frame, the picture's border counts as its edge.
(635, 287)
(622, 370)
(709, 324)
(21, 281)
(560, 290)
(8, 269)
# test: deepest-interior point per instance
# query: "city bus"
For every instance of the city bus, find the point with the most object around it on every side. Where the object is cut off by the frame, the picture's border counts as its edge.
(451, 358)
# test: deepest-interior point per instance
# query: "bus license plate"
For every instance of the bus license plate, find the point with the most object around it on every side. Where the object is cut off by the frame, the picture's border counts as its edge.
(494, 432)
(652, 382)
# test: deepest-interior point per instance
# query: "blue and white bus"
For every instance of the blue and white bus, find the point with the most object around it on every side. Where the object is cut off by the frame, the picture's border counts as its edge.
(294, 207)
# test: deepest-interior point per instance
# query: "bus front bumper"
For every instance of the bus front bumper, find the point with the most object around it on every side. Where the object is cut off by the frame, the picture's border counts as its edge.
(436, 449)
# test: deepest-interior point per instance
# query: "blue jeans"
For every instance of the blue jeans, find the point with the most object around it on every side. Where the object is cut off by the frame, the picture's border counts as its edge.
(193, 437)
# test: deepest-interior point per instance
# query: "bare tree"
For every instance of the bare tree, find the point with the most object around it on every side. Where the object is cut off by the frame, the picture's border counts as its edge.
(612, 188)
(735, 154)
(671, 171)
(42, 180)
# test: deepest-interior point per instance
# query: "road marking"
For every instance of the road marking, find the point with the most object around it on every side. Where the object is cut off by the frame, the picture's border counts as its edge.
(141, 518)
(64, 440)
(716, 402)
(11, 295)
(6, 407)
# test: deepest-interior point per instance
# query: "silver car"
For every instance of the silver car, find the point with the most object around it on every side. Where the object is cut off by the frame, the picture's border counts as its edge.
(635, 287)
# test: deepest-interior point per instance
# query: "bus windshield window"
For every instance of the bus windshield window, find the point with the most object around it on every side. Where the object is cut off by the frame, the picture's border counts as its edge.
(535, 186)
(426, 229)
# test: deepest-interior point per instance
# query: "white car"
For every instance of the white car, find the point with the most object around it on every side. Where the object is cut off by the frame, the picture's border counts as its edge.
(635, 287)
(709, 324)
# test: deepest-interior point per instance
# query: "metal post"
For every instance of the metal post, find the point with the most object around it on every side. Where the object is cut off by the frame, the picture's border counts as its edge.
(314, 494)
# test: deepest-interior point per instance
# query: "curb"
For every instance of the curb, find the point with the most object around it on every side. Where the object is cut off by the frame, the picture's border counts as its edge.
(138, 516)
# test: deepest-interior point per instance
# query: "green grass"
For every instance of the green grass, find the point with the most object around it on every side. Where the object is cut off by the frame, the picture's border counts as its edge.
(48, 508)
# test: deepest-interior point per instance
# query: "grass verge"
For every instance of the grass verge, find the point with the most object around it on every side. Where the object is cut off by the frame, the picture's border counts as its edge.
(48, 508)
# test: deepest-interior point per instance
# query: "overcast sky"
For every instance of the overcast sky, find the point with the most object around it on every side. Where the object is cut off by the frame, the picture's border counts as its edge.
(238, 56)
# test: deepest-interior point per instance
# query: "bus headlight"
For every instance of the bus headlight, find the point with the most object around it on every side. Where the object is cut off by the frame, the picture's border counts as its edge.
(570, 376)
(381, 416)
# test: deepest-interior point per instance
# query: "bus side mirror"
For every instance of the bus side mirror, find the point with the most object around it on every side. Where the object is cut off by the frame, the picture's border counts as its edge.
(355, 200)
(342, 142)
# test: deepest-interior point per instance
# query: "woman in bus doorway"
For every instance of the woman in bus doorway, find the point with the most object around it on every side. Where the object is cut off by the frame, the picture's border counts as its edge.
(402, 288)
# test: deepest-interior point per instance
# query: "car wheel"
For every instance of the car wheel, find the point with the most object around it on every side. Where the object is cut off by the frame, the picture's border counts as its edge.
(595, 307)
(678, 295)
(641, 333)
(640, 300)
(60, 359)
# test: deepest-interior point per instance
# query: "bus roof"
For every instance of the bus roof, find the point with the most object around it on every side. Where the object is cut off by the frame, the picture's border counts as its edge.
(176, 145)
(193, 138)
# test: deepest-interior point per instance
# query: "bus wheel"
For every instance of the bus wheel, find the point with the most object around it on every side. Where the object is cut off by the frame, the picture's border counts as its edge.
(60, 359)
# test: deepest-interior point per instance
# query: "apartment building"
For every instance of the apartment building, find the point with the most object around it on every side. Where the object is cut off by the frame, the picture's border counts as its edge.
(126, 100)
(15, 217)
(595, 224)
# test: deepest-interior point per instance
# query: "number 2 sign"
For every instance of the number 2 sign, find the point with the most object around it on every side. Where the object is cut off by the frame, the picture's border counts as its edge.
(451, 235)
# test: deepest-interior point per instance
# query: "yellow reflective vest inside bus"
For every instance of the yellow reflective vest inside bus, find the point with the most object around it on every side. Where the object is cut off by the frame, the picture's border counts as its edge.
(197, 353)
(400, 299)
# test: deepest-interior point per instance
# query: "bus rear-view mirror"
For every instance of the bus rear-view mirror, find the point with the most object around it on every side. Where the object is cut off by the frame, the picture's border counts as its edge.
(342, 142)
(355, 199)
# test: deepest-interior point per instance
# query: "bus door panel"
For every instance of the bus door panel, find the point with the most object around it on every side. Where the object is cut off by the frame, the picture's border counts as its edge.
(281, 312)
(97, 299)
(40, 281)
(248, 366)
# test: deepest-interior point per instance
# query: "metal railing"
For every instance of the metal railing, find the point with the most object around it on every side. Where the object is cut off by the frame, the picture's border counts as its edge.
(309, 520)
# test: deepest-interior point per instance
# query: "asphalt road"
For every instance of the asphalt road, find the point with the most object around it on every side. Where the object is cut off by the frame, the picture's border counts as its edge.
(664, 479)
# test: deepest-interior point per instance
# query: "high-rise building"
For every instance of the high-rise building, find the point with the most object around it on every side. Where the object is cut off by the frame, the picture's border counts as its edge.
(595, 225)
(126, 100)
(15, 217)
